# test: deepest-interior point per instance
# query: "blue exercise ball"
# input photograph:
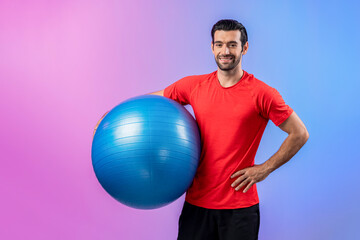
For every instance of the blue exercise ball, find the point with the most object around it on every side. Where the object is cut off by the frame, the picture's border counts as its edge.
(145, 151)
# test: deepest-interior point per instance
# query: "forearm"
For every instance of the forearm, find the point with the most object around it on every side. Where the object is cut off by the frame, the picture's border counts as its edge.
(287, 150)
(298, 135)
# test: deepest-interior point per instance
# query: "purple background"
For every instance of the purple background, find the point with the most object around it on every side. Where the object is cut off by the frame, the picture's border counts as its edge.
(64, 63)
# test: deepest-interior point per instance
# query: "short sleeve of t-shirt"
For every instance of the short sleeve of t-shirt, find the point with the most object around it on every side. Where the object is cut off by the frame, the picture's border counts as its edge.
(272, 105)
(180, 90)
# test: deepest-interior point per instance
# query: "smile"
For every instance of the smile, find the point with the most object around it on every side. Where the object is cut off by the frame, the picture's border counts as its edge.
(225, 59)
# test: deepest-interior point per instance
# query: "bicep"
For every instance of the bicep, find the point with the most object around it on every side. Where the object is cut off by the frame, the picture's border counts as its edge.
(293, 124)
(159, 93)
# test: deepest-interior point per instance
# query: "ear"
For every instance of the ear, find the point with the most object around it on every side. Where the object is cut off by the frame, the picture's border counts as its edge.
(212, 47)
(245, 48)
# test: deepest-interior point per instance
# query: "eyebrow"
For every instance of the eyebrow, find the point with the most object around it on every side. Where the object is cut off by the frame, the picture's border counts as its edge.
(228, 42)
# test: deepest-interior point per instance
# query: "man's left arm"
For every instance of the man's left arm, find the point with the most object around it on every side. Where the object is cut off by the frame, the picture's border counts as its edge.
(298, 135)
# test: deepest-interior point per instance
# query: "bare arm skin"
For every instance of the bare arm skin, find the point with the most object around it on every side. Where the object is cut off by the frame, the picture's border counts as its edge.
(97, 124)
(298, 135)
(160, 93)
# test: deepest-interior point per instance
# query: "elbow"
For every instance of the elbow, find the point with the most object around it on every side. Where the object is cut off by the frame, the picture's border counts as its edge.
(301, 136)
(304, 136)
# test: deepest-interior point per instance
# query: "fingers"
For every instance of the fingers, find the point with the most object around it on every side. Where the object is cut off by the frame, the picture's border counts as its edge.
(249, 186)
(243, 182)
(239, 180)
(238, 173)
(98, 123)
(248, 177)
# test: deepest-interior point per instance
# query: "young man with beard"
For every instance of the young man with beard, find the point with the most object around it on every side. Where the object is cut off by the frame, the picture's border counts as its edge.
(232, 109)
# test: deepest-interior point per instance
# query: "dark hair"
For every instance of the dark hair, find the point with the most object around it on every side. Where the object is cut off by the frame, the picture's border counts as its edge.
(228, 25)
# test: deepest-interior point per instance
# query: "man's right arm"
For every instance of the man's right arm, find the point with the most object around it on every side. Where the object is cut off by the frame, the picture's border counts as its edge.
(97, 124)
(159, 93)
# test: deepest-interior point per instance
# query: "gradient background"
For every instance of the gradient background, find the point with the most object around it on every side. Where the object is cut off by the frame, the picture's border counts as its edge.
(64, 63)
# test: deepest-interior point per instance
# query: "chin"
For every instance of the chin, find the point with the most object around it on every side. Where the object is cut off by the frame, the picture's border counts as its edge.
(229, 67)
(226, 68)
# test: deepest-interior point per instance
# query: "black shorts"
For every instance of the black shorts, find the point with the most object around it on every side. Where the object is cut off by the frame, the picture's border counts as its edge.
(197, 223)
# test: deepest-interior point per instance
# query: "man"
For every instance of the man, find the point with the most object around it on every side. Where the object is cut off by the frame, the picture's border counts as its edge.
(232, 109)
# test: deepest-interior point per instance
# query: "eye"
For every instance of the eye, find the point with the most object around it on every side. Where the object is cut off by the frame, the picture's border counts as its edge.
(218, 44)
(233, 45)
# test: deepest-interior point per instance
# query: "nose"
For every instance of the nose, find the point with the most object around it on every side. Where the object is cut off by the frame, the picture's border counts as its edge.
(225, 50)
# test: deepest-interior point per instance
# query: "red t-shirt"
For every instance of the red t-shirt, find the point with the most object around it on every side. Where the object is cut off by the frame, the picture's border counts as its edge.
(231, 121)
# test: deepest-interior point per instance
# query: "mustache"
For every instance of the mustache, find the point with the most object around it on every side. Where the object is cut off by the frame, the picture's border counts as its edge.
(229, 55)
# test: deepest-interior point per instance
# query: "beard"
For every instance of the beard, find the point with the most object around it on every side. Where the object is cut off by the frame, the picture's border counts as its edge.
(229, 66)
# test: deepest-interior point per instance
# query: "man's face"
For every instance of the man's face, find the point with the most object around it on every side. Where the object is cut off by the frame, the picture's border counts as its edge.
(227, 49)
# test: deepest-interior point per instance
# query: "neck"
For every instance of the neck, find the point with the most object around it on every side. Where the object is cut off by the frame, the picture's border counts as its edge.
(230, 78)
